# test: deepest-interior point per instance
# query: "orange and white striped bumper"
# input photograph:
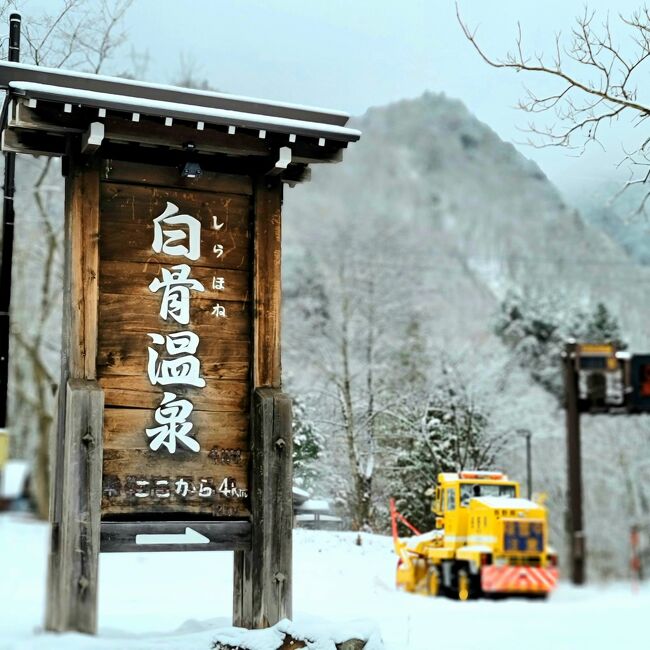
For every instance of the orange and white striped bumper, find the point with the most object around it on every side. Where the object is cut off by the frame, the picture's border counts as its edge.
(518, 579)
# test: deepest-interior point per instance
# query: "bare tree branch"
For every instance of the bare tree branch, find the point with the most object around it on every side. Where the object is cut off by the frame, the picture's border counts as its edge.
(599, 84)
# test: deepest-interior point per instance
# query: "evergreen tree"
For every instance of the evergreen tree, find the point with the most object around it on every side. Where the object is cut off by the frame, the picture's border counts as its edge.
(307, 447)
(537, 329)
(601, 325)
(453, 436)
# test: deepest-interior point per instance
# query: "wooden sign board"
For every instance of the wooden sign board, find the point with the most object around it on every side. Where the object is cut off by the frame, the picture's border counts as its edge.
(174, 346)
(172, 425)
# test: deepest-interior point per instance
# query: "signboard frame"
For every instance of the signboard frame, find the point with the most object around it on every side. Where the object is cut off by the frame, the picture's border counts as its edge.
(262, 542)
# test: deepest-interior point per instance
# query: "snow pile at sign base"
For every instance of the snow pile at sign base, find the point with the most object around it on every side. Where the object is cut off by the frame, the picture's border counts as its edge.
(317, 636)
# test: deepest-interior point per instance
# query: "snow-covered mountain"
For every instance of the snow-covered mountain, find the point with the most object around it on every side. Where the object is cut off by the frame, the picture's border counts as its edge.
(497, 222)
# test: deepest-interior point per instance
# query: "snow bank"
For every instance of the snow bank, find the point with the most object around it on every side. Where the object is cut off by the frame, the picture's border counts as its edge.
(183, 601)
(317, 636)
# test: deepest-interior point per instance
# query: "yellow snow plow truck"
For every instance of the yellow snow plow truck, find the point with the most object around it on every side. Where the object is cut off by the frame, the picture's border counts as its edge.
(487, 540)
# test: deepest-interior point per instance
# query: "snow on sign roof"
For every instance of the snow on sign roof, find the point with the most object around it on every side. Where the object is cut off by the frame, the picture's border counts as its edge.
(169, 101)
(183, 111)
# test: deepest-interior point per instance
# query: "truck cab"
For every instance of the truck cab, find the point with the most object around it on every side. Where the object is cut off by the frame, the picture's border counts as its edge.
(453, 496)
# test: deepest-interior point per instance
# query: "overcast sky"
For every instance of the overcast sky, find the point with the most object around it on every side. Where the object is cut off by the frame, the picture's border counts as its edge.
(352, 54)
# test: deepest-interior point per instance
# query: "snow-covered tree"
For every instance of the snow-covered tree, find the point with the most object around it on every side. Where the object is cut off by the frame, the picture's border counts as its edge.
(535, 328)
(83, 35)
(453, 436)
(307, 447)
(349, 297)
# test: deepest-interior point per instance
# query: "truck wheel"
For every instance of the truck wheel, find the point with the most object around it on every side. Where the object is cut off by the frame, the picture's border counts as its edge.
(420, 577)
(464, 585)
(433, 580)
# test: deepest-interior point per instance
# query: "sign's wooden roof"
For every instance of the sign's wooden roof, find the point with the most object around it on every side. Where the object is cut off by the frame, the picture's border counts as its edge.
(47, 108)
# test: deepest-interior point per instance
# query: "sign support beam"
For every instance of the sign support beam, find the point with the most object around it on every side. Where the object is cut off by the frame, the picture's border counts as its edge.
(76, 439)
(576, 532)
(262, 576)
(72, 590)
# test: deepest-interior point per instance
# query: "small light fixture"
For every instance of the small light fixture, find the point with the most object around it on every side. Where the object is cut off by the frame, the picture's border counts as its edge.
(191, 169)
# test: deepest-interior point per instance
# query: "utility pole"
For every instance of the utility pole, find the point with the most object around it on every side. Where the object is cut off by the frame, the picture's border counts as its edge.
(574, 464)
(7, 239)
(527, 433)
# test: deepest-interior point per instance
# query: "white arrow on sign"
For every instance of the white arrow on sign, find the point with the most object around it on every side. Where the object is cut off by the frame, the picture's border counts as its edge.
(190, 536)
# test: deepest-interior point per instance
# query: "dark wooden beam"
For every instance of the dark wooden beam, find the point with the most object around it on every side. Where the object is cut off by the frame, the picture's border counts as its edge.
(49, 117)
(120, 537)
(267, 292)
(34, 143)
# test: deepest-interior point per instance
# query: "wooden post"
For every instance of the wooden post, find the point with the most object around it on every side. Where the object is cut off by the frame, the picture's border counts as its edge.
(262, 594)
(73, 606)
(262, 576)
(574, 467)
(76, 443)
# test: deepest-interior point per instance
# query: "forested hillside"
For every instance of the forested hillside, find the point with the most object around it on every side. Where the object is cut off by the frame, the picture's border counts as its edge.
(396, 267)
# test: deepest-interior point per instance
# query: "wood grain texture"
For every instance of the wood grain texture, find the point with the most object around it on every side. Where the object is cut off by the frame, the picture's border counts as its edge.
(124, 429)
(129, 312)
(123, 469)
(138, 393)
(267, 283)
(82, 235)
(263, 576)
(75, 587)
(137, 313)
(127, 458)
(136, 173)
(74, 508)
(125, 355)
(130, 211)
(113, 274)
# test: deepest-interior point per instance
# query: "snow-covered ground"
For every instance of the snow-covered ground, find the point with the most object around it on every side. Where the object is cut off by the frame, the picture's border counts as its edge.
(178, 601)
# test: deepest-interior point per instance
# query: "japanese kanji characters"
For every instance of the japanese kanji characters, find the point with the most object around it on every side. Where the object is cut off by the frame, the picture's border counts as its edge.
(182, 370)
(184, 228)
(172, 416)
(176, 295)
(171, 357)
(177, 235)
(183, 487)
